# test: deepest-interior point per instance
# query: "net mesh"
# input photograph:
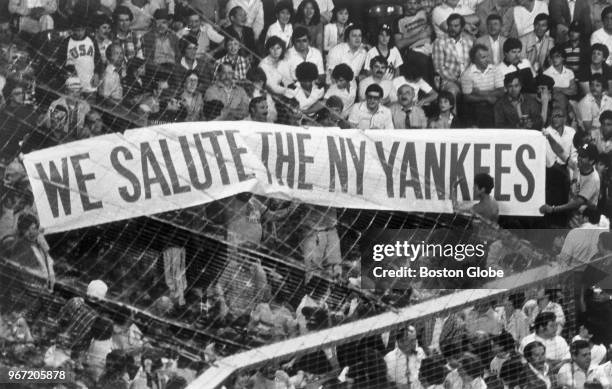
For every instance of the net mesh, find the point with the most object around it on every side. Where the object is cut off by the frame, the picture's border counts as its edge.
(190, 291)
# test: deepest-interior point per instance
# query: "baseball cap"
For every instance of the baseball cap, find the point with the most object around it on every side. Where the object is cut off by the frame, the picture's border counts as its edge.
(588, 150)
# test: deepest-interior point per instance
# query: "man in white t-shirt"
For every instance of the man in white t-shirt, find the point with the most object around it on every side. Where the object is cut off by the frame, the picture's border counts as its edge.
(557, 348)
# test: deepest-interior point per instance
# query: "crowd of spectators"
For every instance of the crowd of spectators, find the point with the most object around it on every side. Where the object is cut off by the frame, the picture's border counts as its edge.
(525, 64)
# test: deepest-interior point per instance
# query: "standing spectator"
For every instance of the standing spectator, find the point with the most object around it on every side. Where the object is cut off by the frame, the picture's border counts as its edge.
(201, 34)
(308, 15)
(378, 67)
(404, 362)
(76, 107)
(513, 62)
(240, 27)
(101, 345)
(587, 190)
(160, 45)
(307, 93)
(350, 52)
(599, 54)
(102, 36)
(371, 114)
(565, 12)
(190, 98)
(491, 8)
(282, 28)
(276, 67)
(333, 32)
(481, 84)
(303, 52)
(516, 109)
(404, 113)
(471, 371)
(233, 58)
(604, 34)
(258, 110)
(493, 40)
(545, 327)
(387, 50)
(488, 209)
(580, 244)
(343, 87)
(33, 17)
(579, 370)
(441, 13)
(110, 87)
(252, 14)
(519, 20)
(593, 105)
(413, 30)
(561, 159)
(82, 52)
(575, 48)
(537, 374)
(451, 54)
(537, 44)
(544, 96)
(234, 98)
(444, 118)
(124, 35)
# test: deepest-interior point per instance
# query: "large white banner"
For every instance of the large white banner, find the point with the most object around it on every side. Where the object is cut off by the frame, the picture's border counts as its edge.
(157, 169)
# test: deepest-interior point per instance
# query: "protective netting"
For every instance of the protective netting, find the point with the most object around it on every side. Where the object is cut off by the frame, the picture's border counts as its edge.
(185, 292)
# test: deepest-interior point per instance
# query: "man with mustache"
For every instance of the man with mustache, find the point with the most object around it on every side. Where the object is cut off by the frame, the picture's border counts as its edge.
(379, 68)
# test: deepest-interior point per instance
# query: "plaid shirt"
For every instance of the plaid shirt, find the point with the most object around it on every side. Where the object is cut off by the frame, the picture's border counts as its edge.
(448, 62)
(240, 65)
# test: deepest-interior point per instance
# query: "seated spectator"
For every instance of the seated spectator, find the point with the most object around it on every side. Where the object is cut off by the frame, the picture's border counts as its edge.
(512, 62)
(575, 48)
(481, 84)
(371, 114)
(597, 65)
(333, 32)
(441, 13)
(33, 16)
(588, 187)
(102, 36)
(276, 66)
(579, 370)
(519, 20)
(234, 98)
(241, 26)
(258, 110)
(503, 347)
(444, 117)
(561, 160)
(350, 52)
(127, 39)
(424, 94)
(486, 207)
(592, 106)
(190, 98)
(76, 108)
(31, 252)
(432, 372)
(303, 52)
(537, 373)
(604, 140)
(246, 15)
(257, 87)
(517, 109)
(101, 345)
(94, 126)
(387, 50)
(537, 44)
(201, 34)
(83, 53)
(344, 87)
(604, 34)
(493, 40)
(471, 372)
(282, 28)
(449, 62)
(110, 87)
(404, 362)
(556, 348)
(233, 58)
(565, 87)
(307, 93)
(544, 96)
(580, 244)
(512, 373)
(378, 71)
(132, 83)
(19, 117)
(308, 15)
(160, 44)
(405, 114)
